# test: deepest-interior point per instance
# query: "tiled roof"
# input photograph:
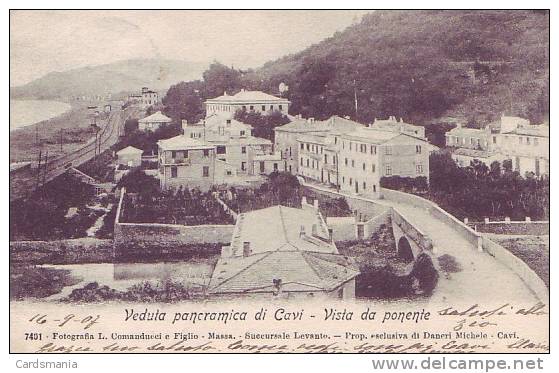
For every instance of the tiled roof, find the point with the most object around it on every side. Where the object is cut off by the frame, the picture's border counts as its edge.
(248, 97)
(375, 136)
(129, 150)
(182, 142)
(297, 270)
(283, 227)
(156, 117)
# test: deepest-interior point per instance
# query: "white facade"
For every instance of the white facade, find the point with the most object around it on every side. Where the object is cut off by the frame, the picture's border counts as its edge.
(250, 101)
(526, 145)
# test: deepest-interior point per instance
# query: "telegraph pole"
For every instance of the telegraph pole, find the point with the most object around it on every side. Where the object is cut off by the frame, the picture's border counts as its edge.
(355, 97)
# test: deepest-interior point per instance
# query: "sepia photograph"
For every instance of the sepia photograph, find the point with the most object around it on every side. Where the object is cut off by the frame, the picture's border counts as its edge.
(263, 181)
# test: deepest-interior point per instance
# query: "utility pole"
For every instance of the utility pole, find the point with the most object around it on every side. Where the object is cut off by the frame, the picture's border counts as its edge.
(61, 140)
(45, 166)
(355, 96)
(39, 169)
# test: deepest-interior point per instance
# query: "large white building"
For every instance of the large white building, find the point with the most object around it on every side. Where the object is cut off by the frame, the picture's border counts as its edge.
(514, 139)
(250, 101)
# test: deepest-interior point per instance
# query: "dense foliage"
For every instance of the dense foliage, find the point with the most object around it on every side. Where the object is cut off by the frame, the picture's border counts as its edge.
(43, 215)
(424, 66)
(145, 202)
(263, 124)
(479, 191)
(281, 188)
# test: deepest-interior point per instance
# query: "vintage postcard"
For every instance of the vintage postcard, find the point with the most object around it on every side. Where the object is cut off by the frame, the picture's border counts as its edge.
(238, 181)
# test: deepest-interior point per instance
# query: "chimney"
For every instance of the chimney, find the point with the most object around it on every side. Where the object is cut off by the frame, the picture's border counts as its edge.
(303, 200)
(310, 120)
(246, 249)
(314, 230)
(242, 89)
(315, 203)
(302, 231)
(458, 125)
(225, 93)
(331, 235)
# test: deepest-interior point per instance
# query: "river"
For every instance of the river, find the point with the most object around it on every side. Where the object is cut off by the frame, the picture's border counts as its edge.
(26, 112)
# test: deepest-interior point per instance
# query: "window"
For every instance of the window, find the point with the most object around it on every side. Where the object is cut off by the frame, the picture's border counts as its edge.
(243, 166)
(373, 149)
(373, 168)
(244, 107)
(220, 149)
(536, 142)
(350, 181)
(302, 146)
(242, 133)
(527, 141)
(307, 162)
(388, 170)
(419, 168)
(205, 171)
(325, 158)
(363, 148)
(263, 107)
(275, 166)
(251, 107)
(243, 149)
(364, 185)
(353, 163)
(418, 149)
(364, 166)
(174, 171)
(173, 154)
(520, 140)
(374, 188)
(301, 161)
(308, 147)
(494, 139)
(279, 106)
(388, 150)
(206, 152)
(346, 161)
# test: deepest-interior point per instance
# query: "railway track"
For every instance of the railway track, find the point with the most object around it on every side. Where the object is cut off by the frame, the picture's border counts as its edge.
(21, 186)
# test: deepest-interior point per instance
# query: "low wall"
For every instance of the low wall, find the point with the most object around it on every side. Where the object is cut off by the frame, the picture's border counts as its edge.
(165, 235)
(530, 278)
(421, 239)
(343, 228)
(372, 225)
(538, 228)
(435, 210)
(171, 234)
(72, 251)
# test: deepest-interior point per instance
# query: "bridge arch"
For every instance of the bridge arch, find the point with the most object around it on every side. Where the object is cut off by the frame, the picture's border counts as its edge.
(405, 251)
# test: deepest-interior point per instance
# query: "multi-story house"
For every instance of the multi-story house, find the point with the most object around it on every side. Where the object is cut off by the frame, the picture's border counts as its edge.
(515, 139)
(366, 155)
(295, 259)
(250, 101)
(186, 162)
(149, 98)
(286, 137)
(153, 122)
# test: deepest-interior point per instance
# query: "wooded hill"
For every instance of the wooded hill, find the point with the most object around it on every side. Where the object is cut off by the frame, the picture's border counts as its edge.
(424, 66)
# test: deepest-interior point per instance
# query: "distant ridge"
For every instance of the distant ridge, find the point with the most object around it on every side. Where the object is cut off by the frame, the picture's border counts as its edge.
(121, 76)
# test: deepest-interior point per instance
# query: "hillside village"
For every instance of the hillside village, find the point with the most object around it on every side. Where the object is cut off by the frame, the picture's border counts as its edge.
(322, 190)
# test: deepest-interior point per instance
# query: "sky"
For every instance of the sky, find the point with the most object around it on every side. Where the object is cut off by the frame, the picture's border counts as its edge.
(47, 41)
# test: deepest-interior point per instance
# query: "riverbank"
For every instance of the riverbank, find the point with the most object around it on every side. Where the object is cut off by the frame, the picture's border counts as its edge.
(72, 128)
